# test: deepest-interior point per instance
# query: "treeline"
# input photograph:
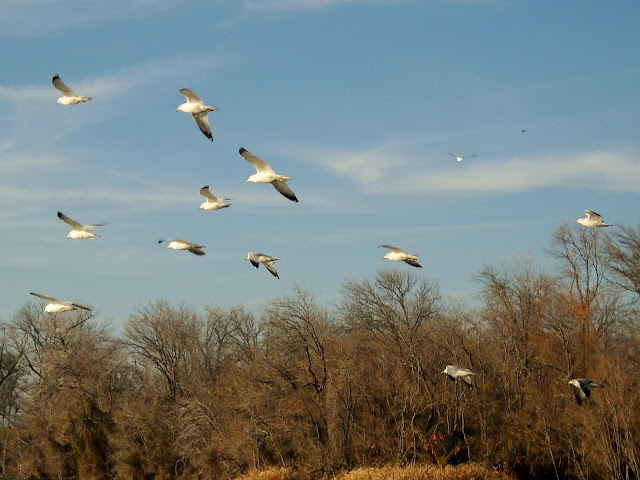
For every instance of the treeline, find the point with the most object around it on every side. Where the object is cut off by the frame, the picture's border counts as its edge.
(185, 394)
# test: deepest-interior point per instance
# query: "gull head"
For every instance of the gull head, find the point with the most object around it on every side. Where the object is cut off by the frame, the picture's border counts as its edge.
(580, 221)
(180, 108)
(202, 205)
(386, 256)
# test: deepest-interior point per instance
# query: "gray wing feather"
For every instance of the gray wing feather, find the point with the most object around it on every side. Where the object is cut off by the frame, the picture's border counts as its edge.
(261, 165)
(413, 263)
(60, 85)
(192, 97)
(285, 190)
(202, 120)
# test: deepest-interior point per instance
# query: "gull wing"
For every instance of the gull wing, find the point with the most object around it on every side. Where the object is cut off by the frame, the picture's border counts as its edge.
(392, 248)
(75, 225)
(466, 380)
(60, 85)
(456, 156)
(206, 193)
(192, 97)
(285, 190)
(202, 120)
(261, 165)
(593, 215)
(44, 297)
(272, 268)
(196, 249)
(413, 263)
(93, 226)
(77, 305)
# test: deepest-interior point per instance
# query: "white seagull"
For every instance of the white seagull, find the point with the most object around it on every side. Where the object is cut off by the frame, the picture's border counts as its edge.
(79, 230)
(463, 374)
(398, 255)
(69, 97)
(257, 258)
(593, 219)
(200, 112)
(177, 244)
(213, 202)
(582, 388)
(459, 158)
(56, 305)
(265, 174)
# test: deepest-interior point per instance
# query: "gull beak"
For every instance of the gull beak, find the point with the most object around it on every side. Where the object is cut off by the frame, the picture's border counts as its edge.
(177, 109)
(247, 181)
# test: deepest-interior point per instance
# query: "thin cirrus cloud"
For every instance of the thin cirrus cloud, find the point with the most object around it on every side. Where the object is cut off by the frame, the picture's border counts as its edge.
(29, 19)
(390, 169)
(302, 5)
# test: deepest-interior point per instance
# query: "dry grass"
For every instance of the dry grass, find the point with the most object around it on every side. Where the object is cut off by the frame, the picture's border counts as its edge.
(431, 472)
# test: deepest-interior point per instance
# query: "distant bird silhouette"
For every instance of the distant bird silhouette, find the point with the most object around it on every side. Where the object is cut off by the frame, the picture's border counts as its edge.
(455, 372)
(582, 388)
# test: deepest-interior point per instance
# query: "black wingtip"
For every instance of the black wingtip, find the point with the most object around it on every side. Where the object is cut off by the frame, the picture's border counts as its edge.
(60, 214)
(55, 75)
(160, 241)
(206, 186)
(242, 150)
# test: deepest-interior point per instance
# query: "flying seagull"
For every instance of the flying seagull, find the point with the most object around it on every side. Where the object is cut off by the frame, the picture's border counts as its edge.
(459, 158)
(399, 255)
(454, 372)
(524, 130)
(56, 305)
(593, 220)
(582, 388)
(213, 202)
(265, 174)
(257, 258)
(177, 244)
(200, 112)
(69, 97)
(79, 230)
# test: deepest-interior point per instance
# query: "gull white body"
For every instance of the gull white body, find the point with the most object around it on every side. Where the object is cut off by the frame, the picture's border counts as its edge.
(213, 202)
(455, 372)
(593, 220)
(57, 306)
(79, 231)
(399, 255)
(260, 258)
(265, 174)
(200, 112)
(69, 97)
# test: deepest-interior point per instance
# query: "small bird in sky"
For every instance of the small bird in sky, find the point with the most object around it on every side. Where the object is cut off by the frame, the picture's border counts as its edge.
(69, 97)
(398, 255)
(260, 258)
(56, 305)
(265, 174)
(213, 202)
(460, 158)
(177, 244)
(80, 231)
(593, 219)
(200, 112)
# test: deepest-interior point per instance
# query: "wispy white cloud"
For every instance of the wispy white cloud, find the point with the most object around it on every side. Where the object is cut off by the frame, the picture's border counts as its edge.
(393, 168)
(27, 19)
(293, 5)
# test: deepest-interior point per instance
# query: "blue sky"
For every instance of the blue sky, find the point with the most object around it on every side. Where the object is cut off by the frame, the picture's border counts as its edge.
(360, 102)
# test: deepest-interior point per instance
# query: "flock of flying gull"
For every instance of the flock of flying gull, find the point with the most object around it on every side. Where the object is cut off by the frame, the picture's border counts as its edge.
(265, 174)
